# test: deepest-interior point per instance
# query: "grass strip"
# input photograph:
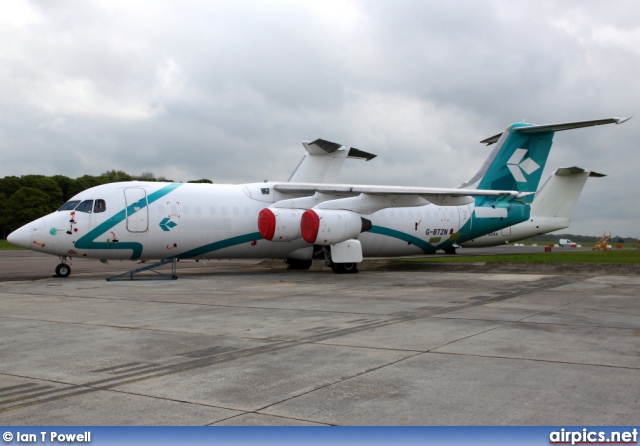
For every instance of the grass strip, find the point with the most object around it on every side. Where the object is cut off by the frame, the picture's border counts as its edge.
(613, 257)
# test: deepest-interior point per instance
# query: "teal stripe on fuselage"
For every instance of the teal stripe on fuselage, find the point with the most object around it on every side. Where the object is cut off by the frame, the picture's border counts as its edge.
(87, 241)
(426, 247)
(226, 243)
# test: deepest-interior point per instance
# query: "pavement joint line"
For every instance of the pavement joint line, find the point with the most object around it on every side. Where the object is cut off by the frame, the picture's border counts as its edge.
(268, 415)
(537, 323)
(548, 361)
(341, 380)
(467, 337)
(163, 398)
(364, 347)
(551, 309)
(163, 370)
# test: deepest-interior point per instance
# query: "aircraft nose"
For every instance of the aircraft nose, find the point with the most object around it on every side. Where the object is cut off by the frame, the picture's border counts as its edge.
(21, 237)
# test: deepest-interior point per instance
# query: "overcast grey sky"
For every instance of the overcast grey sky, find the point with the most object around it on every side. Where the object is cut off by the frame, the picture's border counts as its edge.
(229, 90)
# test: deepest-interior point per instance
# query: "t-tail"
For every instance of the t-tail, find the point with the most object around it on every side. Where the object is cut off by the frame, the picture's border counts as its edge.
(520, 155)
(516, 163)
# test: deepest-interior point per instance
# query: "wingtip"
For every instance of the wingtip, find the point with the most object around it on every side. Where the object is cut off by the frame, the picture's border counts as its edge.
(622, 120)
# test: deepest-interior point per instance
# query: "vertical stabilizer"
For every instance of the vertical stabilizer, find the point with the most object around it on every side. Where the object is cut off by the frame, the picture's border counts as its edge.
(559, 194)
(323, 161)
(520, 154)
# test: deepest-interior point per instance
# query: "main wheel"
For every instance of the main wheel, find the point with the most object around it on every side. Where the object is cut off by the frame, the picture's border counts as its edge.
(344, 268)
(63, 270)
(450, 250)
(349, 268)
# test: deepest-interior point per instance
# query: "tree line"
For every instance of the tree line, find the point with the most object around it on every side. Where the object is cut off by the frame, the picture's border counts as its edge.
(28, 197)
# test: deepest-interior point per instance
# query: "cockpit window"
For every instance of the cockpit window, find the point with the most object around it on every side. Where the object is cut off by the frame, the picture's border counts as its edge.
(69, 205)
(99, 206)
(85, 206)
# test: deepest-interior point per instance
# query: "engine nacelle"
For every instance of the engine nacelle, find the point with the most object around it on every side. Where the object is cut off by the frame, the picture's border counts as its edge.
(280, 225)
(328, 227)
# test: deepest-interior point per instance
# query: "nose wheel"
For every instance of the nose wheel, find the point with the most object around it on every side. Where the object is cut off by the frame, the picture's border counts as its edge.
(63, 269)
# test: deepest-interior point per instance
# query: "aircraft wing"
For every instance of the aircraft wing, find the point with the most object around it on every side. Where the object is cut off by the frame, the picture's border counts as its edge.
(367, 199)
(351, 189)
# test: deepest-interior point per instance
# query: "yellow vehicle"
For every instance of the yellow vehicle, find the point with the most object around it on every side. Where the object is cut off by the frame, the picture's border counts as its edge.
(601, 244)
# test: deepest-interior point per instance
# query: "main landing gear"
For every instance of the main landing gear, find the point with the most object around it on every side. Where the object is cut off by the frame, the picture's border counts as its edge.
(338, 268)
(344, 268)
(322, 253)
(63, 269)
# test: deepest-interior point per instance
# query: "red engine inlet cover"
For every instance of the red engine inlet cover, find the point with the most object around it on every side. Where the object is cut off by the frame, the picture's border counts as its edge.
(266, 224)
(309, 225)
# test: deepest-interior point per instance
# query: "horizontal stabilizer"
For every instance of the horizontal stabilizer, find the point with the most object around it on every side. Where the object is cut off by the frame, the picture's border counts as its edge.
(565, 171)
(321, 144)
(323, 147)
(533, 129)
(568, 125)
(360, 154)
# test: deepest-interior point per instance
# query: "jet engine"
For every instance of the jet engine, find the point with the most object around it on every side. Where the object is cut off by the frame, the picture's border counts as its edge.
(280, 225)
(329, 227)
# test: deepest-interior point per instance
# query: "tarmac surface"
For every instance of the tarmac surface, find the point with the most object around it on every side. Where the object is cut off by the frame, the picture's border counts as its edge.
(251, 343)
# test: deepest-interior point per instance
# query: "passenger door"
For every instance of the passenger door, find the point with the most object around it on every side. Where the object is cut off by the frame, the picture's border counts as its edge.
(137, 209)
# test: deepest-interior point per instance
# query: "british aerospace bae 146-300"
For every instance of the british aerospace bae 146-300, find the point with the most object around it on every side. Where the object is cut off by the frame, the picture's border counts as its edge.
(304, 218)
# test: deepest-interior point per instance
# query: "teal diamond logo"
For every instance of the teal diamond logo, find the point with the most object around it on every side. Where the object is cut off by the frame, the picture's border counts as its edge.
(166, 224)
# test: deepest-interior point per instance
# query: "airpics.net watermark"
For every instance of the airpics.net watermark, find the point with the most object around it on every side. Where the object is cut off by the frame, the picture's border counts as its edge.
(590, 436)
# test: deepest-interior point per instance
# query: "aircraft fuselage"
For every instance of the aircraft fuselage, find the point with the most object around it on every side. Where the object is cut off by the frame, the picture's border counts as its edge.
(138, 220)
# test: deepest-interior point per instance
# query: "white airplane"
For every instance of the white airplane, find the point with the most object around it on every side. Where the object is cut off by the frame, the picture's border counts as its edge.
(305, 218)
(550, 211)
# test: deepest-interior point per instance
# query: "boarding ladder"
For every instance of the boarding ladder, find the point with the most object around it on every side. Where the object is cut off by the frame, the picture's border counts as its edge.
(129, 275)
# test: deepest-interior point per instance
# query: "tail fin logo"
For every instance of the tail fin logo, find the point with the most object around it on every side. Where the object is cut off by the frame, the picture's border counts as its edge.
(517, 165)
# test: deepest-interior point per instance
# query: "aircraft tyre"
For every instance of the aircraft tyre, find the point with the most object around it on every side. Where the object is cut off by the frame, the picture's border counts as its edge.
(63, 270)
(349, 268)
(450, 250)
(344, 268)
(297, 264)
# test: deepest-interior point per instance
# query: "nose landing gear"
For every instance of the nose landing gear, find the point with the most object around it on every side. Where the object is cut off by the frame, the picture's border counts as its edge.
(63, 269)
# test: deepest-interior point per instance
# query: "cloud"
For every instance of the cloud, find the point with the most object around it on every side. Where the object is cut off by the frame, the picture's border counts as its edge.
(229, 90)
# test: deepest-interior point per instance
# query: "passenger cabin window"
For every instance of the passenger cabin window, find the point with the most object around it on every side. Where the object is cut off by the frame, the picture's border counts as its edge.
(99, 206)
(69, 205)
(86, 206)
